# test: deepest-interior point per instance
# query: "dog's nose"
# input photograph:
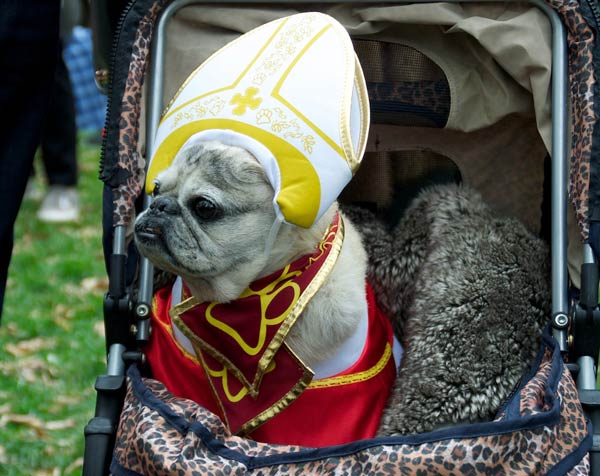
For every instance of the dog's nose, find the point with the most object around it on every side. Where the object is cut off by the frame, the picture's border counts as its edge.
(167, 205)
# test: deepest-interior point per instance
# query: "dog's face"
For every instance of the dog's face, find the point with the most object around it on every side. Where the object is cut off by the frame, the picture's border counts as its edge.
(210, 217)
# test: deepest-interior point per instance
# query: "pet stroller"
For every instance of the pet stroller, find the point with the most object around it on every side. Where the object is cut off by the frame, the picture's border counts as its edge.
(461, 81)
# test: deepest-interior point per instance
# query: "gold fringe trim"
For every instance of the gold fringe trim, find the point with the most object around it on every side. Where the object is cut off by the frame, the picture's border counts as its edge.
(357, 377)
(283, 402)
(308, 293)
(169, 331)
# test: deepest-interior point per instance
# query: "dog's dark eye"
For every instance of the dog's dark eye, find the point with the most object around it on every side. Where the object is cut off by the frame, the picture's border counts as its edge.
(205, 209)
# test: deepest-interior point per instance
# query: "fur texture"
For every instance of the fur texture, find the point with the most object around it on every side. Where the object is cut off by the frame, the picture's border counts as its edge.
(468, 293)
(210, 223)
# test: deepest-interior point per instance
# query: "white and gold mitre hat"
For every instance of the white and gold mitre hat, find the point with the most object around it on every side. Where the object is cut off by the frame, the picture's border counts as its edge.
(292, 93)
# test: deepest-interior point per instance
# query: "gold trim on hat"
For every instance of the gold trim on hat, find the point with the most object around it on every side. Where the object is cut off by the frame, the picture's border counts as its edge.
(353, 79)
(276, 93)
(365, 114)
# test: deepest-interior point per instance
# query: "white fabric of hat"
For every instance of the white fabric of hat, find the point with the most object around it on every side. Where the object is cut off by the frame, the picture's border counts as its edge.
(292, 93)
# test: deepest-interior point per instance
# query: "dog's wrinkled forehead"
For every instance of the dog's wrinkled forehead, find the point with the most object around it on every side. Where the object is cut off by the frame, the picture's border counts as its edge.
(215, 163)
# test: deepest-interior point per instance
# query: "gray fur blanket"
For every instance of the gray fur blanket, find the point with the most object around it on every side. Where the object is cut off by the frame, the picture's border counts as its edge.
(468, 293)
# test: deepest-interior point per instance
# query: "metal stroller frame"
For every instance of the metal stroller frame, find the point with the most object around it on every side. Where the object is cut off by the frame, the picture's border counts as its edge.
(124, 317)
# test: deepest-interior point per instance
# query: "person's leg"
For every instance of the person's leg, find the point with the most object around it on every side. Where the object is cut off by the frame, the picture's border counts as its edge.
(59, 152)
(59, 139)
(28, 54)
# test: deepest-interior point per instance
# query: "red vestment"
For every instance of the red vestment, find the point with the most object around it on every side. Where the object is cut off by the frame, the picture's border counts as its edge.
(238, 366)
(331, 411)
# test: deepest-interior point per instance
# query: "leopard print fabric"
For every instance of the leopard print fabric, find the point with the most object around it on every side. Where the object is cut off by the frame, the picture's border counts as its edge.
(129, 160)
(580, 53)
(580, 40)
(532, 400)
(433, 97)
(160, 434)
(582, 469)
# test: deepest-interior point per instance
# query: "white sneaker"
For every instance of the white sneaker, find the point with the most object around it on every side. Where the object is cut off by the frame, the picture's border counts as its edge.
(60, 205)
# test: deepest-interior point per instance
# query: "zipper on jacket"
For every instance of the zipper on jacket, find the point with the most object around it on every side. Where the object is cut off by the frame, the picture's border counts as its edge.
(595, 9)
(111, 80)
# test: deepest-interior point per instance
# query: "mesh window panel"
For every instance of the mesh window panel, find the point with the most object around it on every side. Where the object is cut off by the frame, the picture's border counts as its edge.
(405, 87)
(388, 181)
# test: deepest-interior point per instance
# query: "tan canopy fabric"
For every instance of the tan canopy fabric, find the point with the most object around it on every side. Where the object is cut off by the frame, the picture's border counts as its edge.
(496, 57)
(497, 61)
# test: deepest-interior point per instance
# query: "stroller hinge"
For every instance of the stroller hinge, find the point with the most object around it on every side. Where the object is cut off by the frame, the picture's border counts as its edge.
(585, 331)
(117, 319)
(143, 304)
(117, 304)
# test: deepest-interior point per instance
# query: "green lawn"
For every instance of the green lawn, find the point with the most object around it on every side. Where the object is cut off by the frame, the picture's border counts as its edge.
(51, 343)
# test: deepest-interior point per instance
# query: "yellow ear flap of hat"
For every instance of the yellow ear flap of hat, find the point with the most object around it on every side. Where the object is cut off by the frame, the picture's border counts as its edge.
(293, 93)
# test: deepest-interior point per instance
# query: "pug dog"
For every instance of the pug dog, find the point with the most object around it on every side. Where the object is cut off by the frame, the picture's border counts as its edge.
(209, 223)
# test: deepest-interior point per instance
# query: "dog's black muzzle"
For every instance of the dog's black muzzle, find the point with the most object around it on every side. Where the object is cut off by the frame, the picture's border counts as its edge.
(151, 225)
(168, 205)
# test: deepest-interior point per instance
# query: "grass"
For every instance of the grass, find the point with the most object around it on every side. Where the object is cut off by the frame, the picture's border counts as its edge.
(51, 342)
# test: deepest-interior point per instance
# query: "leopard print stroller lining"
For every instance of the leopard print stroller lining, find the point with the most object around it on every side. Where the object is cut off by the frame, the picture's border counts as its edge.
(541, 428)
